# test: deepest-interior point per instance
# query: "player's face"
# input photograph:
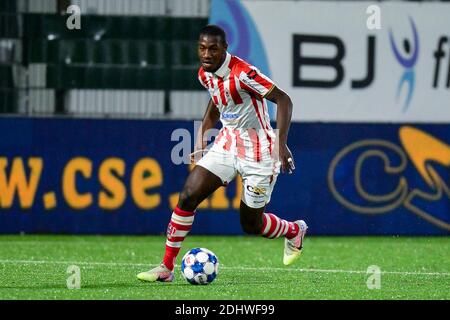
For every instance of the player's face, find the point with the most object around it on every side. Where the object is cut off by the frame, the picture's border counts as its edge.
(211, 52)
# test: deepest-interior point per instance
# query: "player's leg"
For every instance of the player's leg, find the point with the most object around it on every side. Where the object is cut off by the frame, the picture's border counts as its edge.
(199, 185)
(254, 220)
(251, 219)
(211, 172)
(257, 221)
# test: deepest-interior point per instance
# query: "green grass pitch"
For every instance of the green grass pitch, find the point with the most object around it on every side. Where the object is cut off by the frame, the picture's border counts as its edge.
(35, 267)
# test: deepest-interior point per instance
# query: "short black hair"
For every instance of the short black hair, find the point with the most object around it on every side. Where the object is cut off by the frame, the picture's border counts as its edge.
(214, 30)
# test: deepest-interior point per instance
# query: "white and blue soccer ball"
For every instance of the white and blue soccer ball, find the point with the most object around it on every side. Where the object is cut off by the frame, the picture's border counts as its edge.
(199, 266)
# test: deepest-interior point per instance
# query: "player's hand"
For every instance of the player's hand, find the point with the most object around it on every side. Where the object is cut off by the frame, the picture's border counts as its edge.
(287, 160)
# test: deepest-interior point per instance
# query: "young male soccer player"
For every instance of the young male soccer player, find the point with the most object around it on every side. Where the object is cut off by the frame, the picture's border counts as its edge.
(246, 144)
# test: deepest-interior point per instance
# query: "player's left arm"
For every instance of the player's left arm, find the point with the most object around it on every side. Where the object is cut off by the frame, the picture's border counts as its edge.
(284, 115)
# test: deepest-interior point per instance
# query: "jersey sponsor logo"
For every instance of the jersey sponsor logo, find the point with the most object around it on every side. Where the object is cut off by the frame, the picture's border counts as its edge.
(230, 115)
(256, 190)
(261, 201)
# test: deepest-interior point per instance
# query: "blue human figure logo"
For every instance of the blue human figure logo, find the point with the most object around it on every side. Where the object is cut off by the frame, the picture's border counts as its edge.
(408, 62)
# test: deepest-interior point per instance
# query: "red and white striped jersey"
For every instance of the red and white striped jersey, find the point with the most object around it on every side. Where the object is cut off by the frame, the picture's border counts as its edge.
(238, 90)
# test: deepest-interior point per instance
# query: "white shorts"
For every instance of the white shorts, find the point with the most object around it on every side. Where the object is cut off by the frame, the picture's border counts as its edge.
(258, 178)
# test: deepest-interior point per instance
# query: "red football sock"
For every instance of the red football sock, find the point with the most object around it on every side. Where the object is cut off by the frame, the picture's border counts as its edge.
(179, 226)
(274, 227)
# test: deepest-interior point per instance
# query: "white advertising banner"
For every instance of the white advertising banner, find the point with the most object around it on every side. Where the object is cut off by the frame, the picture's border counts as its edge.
(348, 61)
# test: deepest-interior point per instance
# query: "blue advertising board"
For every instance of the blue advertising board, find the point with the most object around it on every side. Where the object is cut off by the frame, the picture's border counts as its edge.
(93, 176)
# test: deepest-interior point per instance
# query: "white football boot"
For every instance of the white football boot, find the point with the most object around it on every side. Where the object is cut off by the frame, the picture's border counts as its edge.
(160, 273)
(293, 247)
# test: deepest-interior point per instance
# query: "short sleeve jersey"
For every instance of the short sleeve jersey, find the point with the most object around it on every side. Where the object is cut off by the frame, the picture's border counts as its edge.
(238, 90)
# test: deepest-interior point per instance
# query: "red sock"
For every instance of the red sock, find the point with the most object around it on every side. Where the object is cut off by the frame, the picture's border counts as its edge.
(179, 226)
(274, 227)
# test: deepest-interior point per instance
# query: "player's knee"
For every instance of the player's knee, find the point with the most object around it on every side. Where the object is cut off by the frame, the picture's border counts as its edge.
(187, 201)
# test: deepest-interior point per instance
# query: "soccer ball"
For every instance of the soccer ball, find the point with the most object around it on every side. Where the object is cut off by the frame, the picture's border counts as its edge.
(199, 266)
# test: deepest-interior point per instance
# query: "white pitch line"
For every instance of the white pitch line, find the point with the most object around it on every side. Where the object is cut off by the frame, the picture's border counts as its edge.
(94, 263)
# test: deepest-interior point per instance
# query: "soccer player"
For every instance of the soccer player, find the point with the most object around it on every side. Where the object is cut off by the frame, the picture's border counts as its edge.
(246, 144)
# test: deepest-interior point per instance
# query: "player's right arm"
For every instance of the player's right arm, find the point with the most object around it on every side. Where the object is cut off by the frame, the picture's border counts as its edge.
(210, 119)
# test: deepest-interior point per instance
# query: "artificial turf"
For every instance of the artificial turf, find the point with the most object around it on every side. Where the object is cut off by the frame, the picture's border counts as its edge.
(35, 267)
